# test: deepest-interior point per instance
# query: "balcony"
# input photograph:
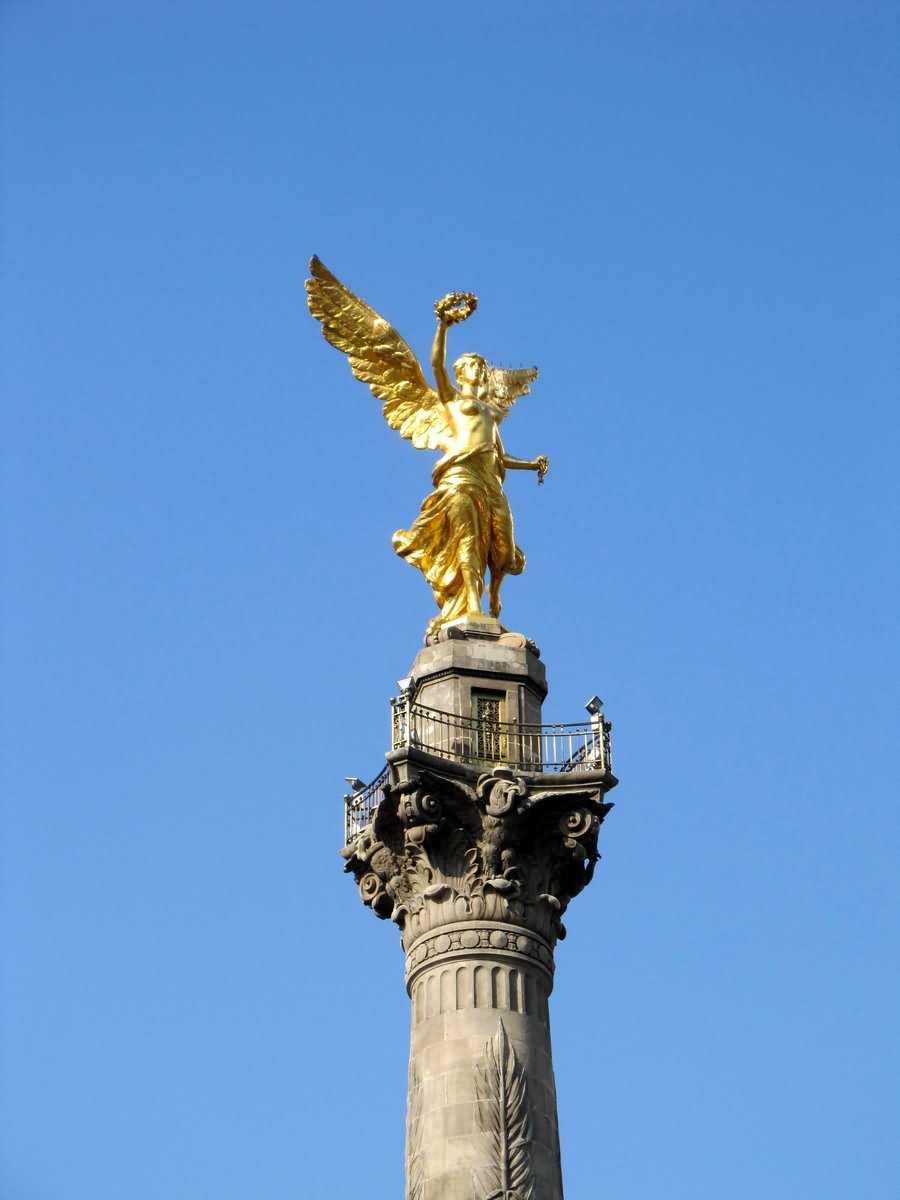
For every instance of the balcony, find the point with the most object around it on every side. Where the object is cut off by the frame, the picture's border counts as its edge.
(483, 743)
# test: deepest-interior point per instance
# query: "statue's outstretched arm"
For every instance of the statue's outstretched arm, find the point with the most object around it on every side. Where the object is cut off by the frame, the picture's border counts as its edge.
(541, 464)
(524, 464)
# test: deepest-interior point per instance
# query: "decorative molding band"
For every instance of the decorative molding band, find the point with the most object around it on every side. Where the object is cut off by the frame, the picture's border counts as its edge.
(465, 940)
(539, 692)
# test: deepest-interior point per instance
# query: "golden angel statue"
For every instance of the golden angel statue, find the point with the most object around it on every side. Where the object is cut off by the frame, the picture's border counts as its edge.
(465, 528)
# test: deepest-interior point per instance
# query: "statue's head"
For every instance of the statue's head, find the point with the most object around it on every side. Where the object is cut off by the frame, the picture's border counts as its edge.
(471, 369)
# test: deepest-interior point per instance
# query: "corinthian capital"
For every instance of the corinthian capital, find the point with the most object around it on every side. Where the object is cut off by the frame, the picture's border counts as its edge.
(449, 844)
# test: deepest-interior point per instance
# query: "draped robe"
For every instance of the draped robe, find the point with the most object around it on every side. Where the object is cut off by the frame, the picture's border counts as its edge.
(466, 522)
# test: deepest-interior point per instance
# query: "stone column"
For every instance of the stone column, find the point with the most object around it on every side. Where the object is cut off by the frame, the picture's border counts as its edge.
(482, 1102)
(476, 863)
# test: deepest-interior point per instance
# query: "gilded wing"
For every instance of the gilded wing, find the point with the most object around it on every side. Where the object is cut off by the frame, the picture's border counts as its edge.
(379, 357)
(505, 387)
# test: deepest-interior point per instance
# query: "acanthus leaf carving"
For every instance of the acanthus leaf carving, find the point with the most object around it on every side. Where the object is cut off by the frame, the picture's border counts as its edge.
(439, 850)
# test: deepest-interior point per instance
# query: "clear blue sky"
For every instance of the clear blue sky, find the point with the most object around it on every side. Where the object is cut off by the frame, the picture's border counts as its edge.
(680, 212)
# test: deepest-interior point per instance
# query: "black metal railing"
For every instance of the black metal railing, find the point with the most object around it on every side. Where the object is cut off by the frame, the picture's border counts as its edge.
(359, 807)
(486, 743)
(578, 746)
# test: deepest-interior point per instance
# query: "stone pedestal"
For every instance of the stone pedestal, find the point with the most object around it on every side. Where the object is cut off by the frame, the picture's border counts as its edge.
(467, 656)
(476, 862)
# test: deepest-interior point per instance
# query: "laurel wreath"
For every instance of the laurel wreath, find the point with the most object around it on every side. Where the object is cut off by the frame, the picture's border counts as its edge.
(456, 307)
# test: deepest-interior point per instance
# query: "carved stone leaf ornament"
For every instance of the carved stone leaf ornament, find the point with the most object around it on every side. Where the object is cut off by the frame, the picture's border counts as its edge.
(500, 791)
(415, 1149)
(503, 1110)
(439, 851)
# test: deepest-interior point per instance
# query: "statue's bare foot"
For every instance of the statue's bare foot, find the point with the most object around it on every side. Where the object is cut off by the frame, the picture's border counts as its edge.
(433, 626)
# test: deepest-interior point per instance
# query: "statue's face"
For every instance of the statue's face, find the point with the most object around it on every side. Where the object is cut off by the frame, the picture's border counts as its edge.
(472, 371)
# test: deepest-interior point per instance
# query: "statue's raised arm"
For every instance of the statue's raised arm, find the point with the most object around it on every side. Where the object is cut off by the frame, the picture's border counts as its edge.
(464, 530)
(454, 307)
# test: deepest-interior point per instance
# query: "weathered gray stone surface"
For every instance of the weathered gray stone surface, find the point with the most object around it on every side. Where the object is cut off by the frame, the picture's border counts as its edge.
(466, 656)
(477, 867)
(482, 1105)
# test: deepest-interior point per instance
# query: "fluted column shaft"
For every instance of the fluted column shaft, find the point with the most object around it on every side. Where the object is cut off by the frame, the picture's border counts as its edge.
(482, 1100)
